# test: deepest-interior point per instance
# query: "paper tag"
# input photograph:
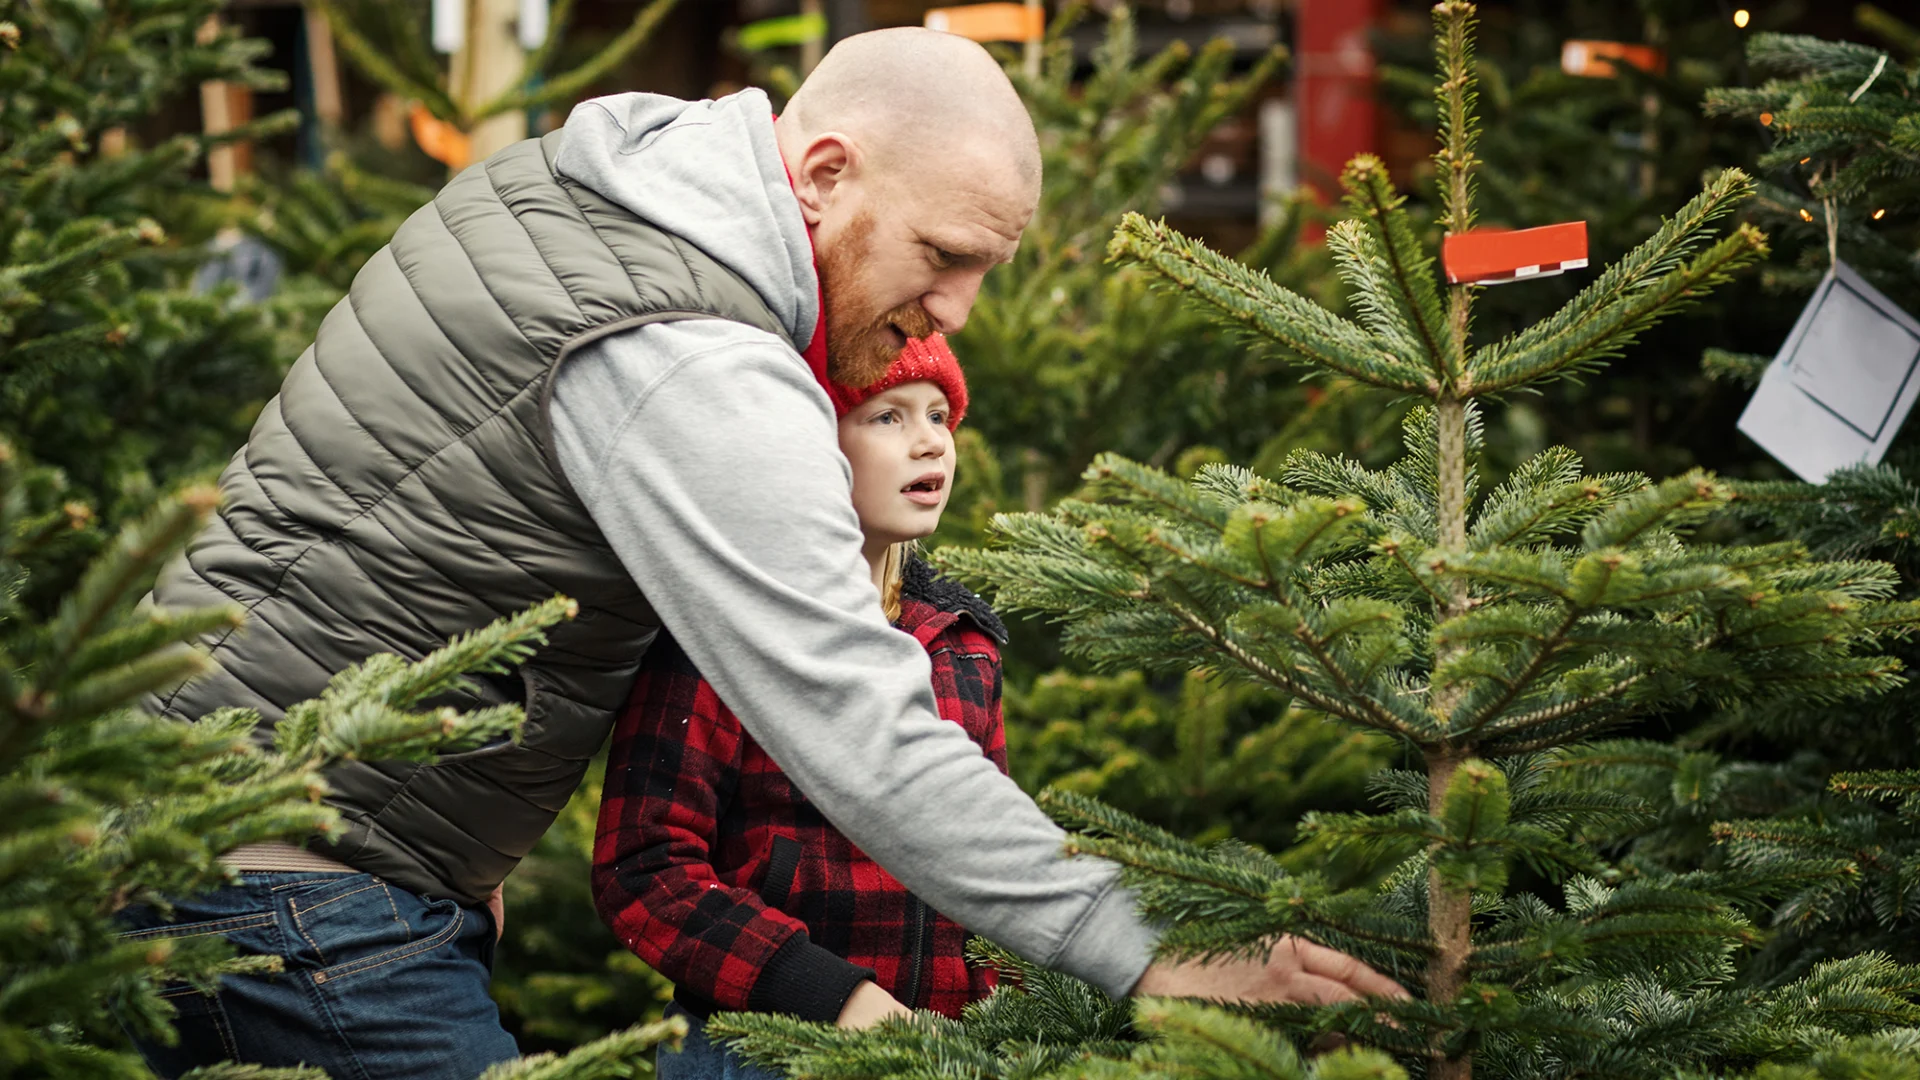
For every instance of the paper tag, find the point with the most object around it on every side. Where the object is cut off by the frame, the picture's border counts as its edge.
(1842, 385)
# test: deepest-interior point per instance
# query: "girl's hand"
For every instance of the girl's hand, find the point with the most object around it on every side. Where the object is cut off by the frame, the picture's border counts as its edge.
(868, 1005)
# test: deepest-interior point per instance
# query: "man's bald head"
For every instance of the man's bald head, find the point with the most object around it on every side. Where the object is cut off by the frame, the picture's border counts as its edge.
(909, 92)
(916, 168)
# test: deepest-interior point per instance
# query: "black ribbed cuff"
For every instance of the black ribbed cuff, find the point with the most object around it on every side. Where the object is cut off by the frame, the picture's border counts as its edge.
(806, 981)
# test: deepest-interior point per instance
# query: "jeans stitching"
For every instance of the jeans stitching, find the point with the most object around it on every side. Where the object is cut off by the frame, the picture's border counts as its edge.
(328, 880)
(358, 967)
(335, 899)
(201, 929)
(293, 906)
(325, 1008)
(215, 1014)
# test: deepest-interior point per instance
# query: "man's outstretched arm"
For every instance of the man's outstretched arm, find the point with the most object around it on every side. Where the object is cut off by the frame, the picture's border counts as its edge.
(708, 456)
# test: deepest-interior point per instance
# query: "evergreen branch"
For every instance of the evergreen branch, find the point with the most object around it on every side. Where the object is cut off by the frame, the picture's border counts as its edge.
(1360, 708)
(619, 1055)
(1249, 299)
(375, 65)
(1456, 94)
(1606, 330)
(1652, 280)
(110, 584)
(1409, 269)
(573, 84)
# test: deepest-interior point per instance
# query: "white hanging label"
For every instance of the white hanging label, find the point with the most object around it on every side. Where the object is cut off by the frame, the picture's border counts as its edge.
(1842, 384)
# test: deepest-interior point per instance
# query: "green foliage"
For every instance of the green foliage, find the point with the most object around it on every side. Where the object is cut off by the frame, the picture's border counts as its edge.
(1489, 636)
(1199, 756)
(103, 806)
(119, 380)
(1068, 357)
(387, 42)
(1804, 810)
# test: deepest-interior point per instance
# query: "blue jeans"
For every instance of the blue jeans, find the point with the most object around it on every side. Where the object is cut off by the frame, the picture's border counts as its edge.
(378, 982)
(699, 1059)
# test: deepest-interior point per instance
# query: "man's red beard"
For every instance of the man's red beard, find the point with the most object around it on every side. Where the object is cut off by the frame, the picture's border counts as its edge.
(860, 346)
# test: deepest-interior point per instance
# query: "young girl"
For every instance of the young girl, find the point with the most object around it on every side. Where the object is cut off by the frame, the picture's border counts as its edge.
(712, 867)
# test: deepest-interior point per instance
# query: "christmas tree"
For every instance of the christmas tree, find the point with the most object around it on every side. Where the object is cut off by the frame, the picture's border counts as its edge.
(120, 379)
(1489, 635)
(1815, 804)
(1617, 148)
(103, 806)
(1073, 357)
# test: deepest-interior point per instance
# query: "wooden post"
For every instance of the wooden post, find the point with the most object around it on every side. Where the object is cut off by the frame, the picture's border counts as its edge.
(223, 107)
(329, 106)
(488, 65)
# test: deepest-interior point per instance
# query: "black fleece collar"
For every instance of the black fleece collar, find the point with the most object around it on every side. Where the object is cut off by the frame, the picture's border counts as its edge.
(920, 581)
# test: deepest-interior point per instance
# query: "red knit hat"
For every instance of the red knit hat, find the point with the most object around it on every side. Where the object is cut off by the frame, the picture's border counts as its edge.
(925, 358)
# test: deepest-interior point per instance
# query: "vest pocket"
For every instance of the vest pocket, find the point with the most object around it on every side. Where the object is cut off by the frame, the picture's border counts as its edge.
(783, 861)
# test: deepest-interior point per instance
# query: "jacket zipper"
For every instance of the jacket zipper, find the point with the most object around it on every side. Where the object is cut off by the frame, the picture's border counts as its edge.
(912, 1000)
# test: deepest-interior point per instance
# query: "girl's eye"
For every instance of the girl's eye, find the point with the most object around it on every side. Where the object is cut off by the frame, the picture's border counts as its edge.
(886, 417)
(938, 417)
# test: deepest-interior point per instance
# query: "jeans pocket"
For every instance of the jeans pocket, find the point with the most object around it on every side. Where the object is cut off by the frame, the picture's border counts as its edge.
(202, 1028)
(362, 924)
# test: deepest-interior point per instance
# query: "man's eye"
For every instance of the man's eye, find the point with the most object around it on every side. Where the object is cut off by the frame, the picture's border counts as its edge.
(943, 258)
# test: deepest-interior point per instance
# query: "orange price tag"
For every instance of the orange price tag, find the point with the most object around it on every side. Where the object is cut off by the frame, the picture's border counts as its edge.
(991, 22)
(1497, 256)
(1591, 58)
(441, 141)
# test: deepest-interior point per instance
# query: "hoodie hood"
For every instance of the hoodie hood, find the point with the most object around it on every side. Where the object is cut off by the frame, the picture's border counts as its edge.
(710, 173)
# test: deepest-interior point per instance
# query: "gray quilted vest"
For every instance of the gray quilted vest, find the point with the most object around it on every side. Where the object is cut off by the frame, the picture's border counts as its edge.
(402, 488)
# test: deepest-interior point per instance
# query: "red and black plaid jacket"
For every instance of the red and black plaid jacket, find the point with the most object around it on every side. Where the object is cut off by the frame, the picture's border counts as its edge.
(714, 869)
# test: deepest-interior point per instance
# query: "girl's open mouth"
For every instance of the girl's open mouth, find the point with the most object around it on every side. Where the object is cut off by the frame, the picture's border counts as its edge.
(926, 490)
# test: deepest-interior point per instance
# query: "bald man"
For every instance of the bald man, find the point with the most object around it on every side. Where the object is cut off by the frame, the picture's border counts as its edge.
(594, 365)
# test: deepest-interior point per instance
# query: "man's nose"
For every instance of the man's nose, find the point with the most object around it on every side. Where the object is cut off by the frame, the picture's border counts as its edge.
(951, 301)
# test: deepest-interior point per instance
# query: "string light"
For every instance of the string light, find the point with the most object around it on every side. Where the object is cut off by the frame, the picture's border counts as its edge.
(1804, 160)
(1880, 213)
(1766, 119)
(1740, 18)
(1805, 216)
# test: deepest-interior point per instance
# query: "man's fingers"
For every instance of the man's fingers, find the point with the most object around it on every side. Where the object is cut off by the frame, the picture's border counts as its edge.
(1348, 970)
(1309, 989)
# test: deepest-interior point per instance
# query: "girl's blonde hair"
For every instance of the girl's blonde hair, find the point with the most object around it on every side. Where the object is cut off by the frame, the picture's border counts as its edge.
(893, 574)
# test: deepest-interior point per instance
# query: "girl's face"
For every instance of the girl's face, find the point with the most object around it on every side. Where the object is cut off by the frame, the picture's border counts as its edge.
(902, 458)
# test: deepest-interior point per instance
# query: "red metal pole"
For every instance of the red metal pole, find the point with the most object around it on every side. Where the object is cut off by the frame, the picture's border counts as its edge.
(1333, 87)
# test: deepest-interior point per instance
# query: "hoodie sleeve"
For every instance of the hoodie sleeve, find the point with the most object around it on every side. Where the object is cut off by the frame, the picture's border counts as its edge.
(708, 456)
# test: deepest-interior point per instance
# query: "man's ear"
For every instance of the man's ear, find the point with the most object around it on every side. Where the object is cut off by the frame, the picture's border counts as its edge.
(827, 163)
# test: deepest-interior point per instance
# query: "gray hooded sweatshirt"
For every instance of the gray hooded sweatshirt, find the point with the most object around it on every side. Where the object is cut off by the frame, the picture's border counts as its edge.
(708, 455)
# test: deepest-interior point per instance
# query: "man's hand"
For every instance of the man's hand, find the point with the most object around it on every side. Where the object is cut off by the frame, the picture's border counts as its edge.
(868, 1005)
(497, 906)
(1295, 970)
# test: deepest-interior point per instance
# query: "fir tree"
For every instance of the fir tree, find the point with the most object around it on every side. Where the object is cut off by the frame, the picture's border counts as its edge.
(1617, 153)
(117, 379)
(1488, 634)
(103, 806)
(1070, 358)
(388, 43)
(1812, 809)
